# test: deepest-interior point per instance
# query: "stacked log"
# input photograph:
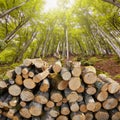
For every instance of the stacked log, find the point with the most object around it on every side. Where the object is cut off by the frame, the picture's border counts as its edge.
(38, 91)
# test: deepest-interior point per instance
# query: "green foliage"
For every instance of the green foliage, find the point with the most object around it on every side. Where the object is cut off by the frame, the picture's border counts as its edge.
(86, 22)
(2, 45)
(7, 56)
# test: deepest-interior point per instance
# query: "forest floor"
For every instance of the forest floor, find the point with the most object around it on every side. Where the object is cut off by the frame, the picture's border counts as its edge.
(109, 65)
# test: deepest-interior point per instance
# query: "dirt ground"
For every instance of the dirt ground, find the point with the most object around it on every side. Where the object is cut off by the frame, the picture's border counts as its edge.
(111, 66)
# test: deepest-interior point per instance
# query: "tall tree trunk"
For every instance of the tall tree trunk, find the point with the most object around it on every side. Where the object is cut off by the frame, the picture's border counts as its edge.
(12, 9)
(26, 46)
(8, 37)
(35, 52)
(67, 44)
(110, 42)
(48, 34)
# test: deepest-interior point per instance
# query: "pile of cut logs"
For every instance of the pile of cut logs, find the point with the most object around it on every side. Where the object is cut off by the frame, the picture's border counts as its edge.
(38, 91)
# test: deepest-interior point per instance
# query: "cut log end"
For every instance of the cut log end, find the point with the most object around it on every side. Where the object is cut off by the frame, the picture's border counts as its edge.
(29, 83)
(74, 83)
(90, 78)
(102, 115)
(26, 96)
(14, 90)
(110, 103)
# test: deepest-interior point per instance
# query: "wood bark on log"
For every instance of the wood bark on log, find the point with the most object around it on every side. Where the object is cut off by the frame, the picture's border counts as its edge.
(113, 87)
(18, 70)
(57, 67)
(100, 85)
(81, 89)
(46, 116)
(117, 95)
(77, 116)
(13, 102)
(65, 110)
(90, 102)
(89, 116)
(83, 107)
(35, 108)
(54, 112)
(71, 96)
(74, 107)
(36, 118)
(76, 69)
(80, 98)
(39, 77)
(65, 74)
(10, 113)
(18, 80)
(118, 107)
(45, 85)
(88, 69)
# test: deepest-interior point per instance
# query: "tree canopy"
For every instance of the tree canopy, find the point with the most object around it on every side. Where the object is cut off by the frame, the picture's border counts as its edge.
(83, 28)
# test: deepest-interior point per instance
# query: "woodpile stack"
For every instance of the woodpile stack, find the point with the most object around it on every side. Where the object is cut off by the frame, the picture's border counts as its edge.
(38, 91)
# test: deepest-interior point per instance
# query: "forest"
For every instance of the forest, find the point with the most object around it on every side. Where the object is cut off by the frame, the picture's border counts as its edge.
(85, 28)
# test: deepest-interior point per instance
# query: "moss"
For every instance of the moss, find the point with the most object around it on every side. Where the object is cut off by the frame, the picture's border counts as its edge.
(88, 61)
(93, 60)
(117, 76)
(5, 68)
(103, 72)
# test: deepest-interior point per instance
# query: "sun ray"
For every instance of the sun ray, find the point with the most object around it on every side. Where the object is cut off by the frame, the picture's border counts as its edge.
(50, 4)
